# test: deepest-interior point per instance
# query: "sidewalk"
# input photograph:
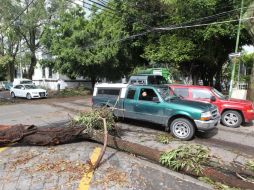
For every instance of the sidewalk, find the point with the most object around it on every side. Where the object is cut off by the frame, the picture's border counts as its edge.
(61, 167)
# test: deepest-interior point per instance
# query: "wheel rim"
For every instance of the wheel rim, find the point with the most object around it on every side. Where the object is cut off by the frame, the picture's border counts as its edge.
(12, 95)
(181, 129)
(28, 96)
(231, 119)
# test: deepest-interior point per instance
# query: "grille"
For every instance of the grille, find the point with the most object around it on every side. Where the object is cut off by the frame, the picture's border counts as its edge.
(42, 94)
(214, 113)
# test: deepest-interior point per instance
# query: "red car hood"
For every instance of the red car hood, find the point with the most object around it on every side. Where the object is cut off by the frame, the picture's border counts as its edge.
(238, 101)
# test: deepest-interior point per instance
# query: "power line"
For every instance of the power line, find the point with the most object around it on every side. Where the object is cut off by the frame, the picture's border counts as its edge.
(167, 29)
(19, 15)
(207, 18)
(103, 2)
(101, 5)
(206, 24)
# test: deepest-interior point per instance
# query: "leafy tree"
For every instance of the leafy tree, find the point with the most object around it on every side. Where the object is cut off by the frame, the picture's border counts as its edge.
(9, 39)
(201, 51)
(31, 24)
(82, 47)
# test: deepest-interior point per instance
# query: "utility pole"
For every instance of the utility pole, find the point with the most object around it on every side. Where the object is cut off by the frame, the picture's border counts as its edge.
(236, 50)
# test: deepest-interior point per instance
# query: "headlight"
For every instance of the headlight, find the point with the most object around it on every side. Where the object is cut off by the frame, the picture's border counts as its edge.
(205, 116)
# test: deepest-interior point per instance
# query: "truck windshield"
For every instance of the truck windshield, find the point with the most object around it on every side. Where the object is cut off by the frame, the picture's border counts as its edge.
(166, 93)
(219, 94)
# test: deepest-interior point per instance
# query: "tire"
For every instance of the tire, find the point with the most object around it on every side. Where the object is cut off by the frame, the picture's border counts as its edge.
(182, 129)
(28, 96)
(231, 118)
(13, 95)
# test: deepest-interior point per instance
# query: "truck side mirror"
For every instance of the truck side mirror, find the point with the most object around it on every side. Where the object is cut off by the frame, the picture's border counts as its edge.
(213, 98)
(156, 100)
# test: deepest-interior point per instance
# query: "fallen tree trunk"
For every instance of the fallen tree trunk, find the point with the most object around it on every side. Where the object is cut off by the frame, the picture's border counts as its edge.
(32, 135)
(154, 155)
(14, 133)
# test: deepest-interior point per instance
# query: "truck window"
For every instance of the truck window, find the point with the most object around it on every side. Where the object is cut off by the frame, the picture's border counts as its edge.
(184, 92)
(203, 94)
(111, 92)
(131, 94)
(147, 94)
(156, 80)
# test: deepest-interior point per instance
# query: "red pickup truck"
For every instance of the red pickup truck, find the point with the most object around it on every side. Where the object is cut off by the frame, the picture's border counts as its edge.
(233, 111)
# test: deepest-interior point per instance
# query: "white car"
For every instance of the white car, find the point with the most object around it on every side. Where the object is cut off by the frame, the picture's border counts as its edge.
(28, 91)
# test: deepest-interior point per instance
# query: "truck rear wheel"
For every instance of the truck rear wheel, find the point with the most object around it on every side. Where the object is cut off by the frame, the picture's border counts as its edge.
(231, 118)
(182, 129)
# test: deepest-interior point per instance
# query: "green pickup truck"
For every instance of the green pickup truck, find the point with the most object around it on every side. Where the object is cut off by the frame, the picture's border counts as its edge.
(157, 104)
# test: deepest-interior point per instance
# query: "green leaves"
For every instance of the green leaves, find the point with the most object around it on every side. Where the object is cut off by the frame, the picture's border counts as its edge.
(93, 119)
(171, 49)
(186, 157)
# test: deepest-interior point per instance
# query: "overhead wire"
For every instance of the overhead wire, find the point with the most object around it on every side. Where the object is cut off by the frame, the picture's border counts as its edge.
(101, 5)
(19, 15)
(168, 29)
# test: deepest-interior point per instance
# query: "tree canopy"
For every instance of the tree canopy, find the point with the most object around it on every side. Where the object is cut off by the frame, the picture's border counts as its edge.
(111, 38)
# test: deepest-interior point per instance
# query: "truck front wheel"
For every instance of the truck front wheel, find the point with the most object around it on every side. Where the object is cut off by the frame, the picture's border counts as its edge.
(182, 129)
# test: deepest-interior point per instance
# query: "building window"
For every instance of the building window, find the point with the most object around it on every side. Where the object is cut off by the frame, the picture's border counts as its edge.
(50, 72)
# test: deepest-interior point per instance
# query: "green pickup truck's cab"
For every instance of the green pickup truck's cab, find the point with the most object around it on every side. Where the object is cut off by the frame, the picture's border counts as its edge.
(158, 104)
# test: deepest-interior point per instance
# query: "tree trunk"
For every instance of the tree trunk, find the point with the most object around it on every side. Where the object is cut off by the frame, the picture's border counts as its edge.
(218, 79)
(93, 81)
(10, 70)
(251, 86)
(32, 47)
(32, 65)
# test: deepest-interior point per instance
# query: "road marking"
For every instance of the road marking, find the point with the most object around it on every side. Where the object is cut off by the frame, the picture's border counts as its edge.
(3, 148)
(87, 178)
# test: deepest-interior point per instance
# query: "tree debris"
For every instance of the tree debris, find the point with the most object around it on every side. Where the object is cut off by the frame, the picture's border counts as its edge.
(94, 126)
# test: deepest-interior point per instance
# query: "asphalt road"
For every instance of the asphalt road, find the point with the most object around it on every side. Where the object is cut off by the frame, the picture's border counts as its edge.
(23, 167)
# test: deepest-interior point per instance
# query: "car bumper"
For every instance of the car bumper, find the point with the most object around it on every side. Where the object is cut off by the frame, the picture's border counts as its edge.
(248, 116)
(207, 125)
(38, 96)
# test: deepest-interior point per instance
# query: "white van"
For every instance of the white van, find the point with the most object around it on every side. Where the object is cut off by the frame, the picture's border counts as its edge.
(22, 81)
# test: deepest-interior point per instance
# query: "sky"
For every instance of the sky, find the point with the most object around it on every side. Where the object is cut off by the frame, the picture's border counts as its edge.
(249, 49)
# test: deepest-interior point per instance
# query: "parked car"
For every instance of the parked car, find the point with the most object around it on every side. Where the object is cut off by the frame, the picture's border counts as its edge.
(28, 91)
(157, 104)
(233, 111)
(1, 86)
(5, 85)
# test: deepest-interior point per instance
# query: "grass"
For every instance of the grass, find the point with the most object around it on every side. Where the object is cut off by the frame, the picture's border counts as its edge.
(164, 138)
